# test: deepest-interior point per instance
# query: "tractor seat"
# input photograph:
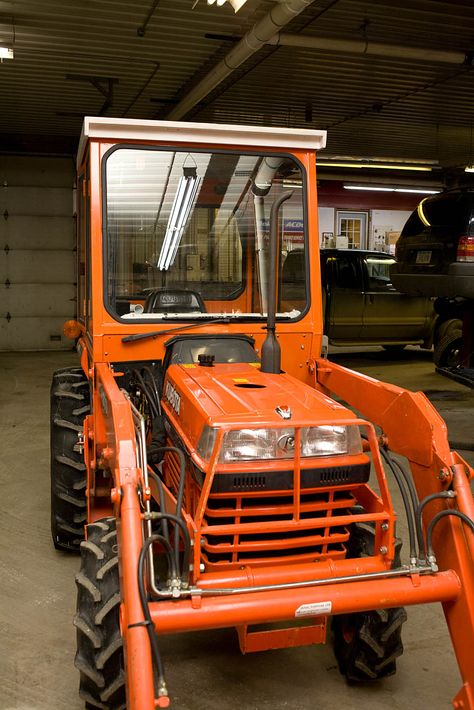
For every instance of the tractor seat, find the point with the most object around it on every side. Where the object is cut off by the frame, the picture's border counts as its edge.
(173, 300)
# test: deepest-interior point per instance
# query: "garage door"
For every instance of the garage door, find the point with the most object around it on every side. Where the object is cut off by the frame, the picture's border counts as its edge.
(37, 257)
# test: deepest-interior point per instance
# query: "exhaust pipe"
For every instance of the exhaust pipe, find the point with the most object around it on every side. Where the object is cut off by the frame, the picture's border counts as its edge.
(271, 351)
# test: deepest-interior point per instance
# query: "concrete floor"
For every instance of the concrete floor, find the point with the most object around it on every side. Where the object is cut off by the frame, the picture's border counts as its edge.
(204, 671)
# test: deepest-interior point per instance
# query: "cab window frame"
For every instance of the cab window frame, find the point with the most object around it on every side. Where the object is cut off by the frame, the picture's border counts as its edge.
(190, 148)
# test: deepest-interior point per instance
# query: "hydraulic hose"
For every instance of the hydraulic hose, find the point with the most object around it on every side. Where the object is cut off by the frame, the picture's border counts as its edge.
(169, 555)
(180, 495)
(146, 611)
(149, 394)
(187, 543)
(150, 374)
(413, 495)
(406, 502)
(435, 521)
(161, 493)
(421, 507)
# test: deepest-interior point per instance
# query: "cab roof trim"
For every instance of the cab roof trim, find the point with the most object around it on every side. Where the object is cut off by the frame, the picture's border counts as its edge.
(212, 133)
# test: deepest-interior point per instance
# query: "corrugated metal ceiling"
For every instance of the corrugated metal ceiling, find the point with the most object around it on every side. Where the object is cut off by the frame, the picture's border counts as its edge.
(370, 105)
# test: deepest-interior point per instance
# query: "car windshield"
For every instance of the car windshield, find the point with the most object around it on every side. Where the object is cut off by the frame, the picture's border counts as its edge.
(187, 234)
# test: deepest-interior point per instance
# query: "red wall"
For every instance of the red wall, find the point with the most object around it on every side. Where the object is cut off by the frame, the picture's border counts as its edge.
(332, 194)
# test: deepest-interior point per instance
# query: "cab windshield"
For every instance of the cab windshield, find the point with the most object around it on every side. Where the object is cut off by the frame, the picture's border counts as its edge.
(187, 234)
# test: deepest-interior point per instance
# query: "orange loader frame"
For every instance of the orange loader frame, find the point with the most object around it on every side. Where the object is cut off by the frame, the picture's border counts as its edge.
(242, 598)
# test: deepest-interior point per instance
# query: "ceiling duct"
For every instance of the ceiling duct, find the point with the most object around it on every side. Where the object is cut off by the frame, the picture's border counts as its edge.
(362, 46)
(279, 16)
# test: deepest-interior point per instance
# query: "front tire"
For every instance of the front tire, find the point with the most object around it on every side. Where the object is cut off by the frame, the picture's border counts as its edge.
(99, 656)
(367, 644)
(447, 352)
(70, 404)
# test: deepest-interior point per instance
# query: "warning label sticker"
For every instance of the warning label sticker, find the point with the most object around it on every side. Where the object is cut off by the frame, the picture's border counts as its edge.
(315, 609)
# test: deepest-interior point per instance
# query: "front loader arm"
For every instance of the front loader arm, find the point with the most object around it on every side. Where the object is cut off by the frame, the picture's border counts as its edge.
(120, 454)
(412, 428)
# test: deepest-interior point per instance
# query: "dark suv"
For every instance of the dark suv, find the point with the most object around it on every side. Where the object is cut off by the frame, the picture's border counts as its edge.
(435, 251)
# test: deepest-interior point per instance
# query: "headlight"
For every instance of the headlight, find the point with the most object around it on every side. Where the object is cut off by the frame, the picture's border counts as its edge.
(264, 444)
(330, 440)
(257, 444)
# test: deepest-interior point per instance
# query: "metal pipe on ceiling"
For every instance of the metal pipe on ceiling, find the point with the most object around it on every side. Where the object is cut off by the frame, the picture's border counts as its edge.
(279, 16)
(356, 46)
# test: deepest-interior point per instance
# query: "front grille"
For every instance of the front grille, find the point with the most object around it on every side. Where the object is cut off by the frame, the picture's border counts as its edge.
(259, 528)
(284, 480)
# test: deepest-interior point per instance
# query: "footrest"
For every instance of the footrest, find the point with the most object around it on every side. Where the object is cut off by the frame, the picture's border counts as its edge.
(288, 637)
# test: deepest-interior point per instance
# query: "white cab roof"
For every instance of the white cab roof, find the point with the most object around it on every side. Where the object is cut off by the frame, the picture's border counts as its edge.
(211, 133)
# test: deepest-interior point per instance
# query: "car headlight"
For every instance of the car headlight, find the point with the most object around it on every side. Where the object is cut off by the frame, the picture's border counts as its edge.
(257, 444)
(330, 440)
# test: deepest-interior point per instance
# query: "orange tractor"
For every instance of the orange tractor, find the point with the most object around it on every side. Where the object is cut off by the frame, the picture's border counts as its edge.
(199, 460)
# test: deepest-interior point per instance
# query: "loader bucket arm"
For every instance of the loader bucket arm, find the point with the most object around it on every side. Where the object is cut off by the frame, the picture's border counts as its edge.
(413, 428)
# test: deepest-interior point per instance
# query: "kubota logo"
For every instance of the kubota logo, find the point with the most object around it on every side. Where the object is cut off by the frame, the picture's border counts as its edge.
(173, 397)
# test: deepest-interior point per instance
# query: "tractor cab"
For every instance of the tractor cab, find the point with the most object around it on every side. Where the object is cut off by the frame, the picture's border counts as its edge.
(182, 235)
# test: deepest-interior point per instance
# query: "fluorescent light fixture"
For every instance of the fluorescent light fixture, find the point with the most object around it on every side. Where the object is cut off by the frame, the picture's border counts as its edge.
(376, 166)
(6, 53)
(469, 168)
(183, 201)
(376, 188)
(236, 4)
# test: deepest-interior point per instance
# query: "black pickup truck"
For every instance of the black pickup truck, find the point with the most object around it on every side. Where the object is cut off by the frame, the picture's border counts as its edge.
(361, 305)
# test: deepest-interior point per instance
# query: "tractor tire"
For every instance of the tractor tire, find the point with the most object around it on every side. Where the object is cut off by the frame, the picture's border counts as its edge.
(70, 404)
(99, 657)
(447, 352)
(367, 644)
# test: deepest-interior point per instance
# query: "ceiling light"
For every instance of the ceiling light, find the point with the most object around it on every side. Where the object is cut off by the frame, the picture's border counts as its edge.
(377, 166)
(375, 188)
(236, 4)
(183, 201)
(6, 53)
(469, 168)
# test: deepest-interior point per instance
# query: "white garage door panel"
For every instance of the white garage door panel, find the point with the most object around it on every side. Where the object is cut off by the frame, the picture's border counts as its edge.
(40, 267)
(51, 201)
(37, 252)
(24, 170)
(36, 300)
(33, 334)
(41, 232)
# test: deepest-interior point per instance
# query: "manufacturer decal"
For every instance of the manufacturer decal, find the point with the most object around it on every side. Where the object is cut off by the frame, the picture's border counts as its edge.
(284, 411)
(173, 397)
(315, 609)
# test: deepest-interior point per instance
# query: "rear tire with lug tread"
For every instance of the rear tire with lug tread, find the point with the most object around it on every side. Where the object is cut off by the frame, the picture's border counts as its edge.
(367, 644)
(70, 404)
(99, 656)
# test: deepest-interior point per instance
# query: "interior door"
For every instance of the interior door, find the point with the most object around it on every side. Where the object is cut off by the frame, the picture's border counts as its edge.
(345, 298)
(352, 227)
(388, 314)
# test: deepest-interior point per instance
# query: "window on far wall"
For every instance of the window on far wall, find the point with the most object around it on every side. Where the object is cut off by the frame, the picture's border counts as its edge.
(351, 228)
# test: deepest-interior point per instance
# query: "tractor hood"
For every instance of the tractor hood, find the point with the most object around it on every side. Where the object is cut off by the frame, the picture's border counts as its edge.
(242, 396)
